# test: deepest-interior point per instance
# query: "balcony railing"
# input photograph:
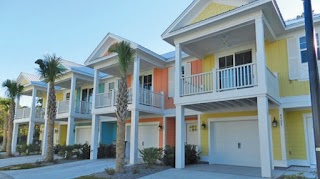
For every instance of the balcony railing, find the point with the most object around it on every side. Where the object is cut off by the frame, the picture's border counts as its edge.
(146, 97)
(22, 113)
(40, 112)
(220, 80)
(83, 107)
(63, 107)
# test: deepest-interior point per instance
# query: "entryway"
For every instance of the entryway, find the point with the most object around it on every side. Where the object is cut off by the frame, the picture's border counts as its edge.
(310, 145)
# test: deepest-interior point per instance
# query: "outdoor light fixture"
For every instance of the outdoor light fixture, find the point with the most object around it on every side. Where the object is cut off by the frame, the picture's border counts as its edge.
(203, 125)
(274, 122)
(160, 127)
(56, 131)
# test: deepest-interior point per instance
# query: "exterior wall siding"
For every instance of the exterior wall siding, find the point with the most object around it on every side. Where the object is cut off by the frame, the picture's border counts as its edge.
(211, 10)
(161, 79)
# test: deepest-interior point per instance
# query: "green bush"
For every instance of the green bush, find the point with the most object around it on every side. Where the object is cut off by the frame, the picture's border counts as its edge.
(81, 151)
(151, 155)
(191, 155)
(169, 156)
(110, 171)
(106, 151)
(57, 149)
(28, 149)
(84, 151)
(66, 152)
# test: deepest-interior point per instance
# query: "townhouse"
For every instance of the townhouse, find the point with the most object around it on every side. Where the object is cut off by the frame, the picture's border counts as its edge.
(236, 86)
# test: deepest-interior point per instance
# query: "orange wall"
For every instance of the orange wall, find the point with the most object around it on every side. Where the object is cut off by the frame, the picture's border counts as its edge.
(161, 80)
(129, 81)
(153, 120)
(196, 67)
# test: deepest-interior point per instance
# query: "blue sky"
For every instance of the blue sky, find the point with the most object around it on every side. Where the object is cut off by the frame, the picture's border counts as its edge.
(73, 28)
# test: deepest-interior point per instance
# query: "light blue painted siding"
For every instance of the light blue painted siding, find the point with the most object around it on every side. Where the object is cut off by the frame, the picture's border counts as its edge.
(108, 132)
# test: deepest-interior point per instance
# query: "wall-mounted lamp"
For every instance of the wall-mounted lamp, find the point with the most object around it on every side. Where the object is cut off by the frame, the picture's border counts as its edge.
(56, 131)
(203, 126)
(274, 122)
(160, 127)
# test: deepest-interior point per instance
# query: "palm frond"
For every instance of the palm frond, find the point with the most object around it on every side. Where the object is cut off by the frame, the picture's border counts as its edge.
(50, 67)
(13, 89)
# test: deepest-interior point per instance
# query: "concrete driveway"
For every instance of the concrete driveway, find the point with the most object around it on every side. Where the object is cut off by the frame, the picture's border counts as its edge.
(63, 171)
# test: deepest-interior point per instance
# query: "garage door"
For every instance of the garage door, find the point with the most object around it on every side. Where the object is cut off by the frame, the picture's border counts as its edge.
(235, 143)
(148, 136)
(83, 135)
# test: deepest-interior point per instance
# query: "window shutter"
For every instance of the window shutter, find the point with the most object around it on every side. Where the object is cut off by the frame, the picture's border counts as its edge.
(101, 88)
(187, 69)
(171, 82)
(293, 58)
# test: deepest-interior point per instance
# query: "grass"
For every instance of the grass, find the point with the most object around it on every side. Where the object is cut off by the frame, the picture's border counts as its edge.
(89, 177)
(22, 166)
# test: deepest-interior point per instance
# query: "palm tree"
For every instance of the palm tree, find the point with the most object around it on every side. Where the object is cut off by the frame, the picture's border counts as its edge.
(5, 105)
(125, 58)
(14, 91)
(50, 71)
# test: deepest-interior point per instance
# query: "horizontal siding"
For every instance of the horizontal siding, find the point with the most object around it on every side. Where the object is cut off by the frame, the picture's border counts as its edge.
(211, 10)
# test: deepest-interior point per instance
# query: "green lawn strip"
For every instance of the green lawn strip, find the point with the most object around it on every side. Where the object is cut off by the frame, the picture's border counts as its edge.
(22, 166)
(89, 177)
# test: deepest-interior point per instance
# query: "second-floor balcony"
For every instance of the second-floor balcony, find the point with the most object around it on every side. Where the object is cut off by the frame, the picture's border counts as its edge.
(228, 80)
(79, 108)
(147, 98)
(25, 113)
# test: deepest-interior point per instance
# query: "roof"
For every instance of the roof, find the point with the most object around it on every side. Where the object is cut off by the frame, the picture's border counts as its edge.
(78, 68)
(299, 20)
(32, 79)
(171, 55)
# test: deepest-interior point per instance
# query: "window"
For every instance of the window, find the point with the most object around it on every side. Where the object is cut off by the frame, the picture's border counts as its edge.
(303, 48)
(87, 95)
(146, 82)
(67, 96)
(111, 86)
(226, 62)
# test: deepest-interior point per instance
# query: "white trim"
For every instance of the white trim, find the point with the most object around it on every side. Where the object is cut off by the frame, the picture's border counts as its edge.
(305, 116)
(144, 124)
(283, 135)
(280, 163)
(271, 139)
(164, 132)
(304, 163)
(295, 101)
(210, 120)
(199, 131)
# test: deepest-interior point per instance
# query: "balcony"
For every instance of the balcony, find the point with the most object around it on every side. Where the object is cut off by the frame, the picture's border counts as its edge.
(227, 83)
(147, 99)
(25, 113)
(81, 109)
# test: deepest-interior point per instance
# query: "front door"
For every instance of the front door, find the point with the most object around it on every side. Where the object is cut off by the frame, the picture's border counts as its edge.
(310, 141)
(192, 133)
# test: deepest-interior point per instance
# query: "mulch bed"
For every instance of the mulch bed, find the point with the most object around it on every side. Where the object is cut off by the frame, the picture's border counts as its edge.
(132, 172)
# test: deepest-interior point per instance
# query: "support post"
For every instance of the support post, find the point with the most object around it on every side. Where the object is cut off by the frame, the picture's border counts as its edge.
(264, 137)
(33, 104)
(180, 137)
(30, 132)
(70, 128)
(70, 131)
(164, 131)
(178, 72)
(283, 137)
(94, 137)
(261, 56)
(134, 136)
(14, 137)
(95, 88)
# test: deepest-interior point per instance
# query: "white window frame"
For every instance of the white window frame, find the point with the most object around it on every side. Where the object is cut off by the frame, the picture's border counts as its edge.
(304, 49)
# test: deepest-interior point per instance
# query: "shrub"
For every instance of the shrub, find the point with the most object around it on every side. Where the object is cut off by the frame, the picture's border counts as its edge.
(169, 156)
(106, 151)
(135, 170)
(66, 152)
(84, 151)
(57, 149)
(81, 151)
(110, 171)
(28, 149)
(191, 155)
(151, 155)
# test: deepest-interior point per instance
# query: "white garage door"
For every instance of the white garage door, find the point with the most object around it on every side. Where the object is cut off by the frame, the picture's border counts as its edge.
(83, 135)
(148, 136)
(235, 143)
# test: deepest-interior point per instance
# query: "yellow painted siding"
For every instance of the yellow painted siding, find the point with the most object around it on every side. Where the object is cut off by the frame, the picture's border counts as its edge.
(295, 134)
(277, 61)
(205, 132)
(208, 63)
(63, 134)
(59, 97)
(211, 10)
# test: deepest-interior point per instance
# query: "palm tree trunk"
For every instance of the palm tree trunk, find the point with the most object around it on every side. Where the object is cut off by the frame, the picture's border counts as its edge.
(52, 110)
(10, 127)
(5, 131)
(122, 111)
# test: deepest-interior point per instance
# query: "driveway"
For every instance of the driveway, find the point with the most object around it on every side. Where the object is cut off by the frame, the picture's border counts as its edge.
(67, 170)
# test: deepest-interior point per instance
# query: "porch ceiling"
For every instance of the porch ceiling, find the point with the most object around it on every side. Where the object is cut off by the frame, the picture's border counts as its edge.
(67, 83)
(221, 41)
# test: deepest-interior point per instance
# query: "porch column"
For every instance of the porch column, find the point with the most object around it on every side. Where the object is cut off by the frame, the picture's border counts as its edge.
(30, 132)
(178, 72)
(45, 131)
(95, 89)
(33, 104)
(264, 137)
(164, 132)
(94, 137)
(261, 55)
(14, 137)
(70, 127)
(283, 137)
(180, 137)
(17, 105)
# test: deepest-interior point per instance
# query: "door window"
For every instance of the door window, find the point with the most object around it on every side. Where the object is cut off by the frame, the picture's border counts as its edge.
(146, 82)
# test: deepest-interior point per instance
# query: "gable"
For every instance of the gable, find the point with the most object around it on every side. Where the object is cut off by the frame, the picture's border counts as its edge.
(211, 10)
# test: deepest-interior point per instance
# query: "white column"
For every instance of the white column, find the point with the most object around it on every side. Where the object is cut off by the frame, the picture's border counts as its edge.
(135, 85)
(95, 89)
(70, 127)
(164, 131)
(134, 136)
(14, 137)
(180, 137)
(264, 137)
(199, 131)
(17, 104)
(45, 131)
(283, 136)
(178, 72)
(94, 137)
(30, 132)
(33, 104)
(261, 56)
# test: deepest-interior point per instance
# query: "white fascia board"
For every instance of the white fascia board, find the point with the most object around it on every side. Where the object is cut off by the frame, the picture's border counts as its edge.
(296, 101)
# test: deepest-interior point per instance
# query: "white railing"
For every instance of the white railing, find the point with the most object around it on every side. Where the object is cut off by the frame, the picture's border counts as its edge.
(63, 107)
(151, 98)
(22, 113)
(272, 83)
(237, 77)
(116, 92)
(40, 112)
(104, 100)
(197, 84)
(83, 107)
